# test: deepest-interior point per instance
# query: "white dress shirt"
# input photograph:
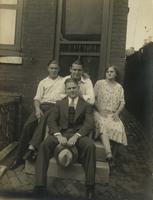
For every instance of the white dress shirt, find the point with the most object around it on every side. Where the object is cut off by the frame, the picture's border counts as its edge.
(50, 90)
(75, 101)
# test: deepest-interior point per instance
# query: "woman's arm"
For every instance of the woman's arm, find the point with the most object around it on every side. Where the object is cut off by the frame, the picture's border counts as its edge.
(121, 105)
(120, 108)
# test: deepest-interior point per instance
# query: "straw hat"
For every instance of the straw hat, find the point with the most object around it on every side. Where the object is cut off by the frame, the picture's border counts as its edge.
(65, 155)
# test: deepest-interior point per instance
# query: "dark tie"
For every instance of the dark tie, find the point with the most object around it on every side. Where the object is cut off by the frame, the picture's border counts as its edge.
(71, 113)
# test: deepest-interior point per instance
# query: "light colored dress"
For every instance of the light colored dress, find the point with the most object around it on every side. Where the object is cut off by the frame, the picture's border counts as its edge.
(107, 102)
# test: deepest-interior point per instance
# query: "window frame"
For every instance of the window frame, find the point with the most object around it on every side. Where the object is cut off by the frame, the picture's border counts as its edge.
(106, 34)
(73, 36)
(15, 49)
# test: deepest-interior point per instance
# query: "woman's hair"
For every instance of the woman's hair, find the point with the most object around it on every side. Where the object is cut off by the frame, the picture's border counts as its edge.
(116, 71)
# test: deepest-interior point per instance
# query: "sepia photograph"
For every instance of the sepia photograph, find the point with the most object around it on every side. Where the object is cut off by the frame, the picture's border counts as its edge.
(76, 94)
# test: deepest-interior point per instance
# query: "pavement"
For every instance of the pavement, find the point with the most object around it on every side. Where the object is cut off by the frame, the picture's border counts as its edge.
(132, 178)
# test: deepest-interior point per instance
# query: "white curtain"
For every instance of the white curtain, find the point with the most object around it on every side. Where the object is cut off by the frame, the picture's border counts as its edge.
(7, 26)
(8, 1)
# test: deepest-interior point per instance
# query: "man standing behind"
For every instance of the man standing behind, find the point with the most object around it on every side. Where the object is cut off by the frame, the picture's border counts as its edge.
(85, 84)
(69, 128)
(48, 92)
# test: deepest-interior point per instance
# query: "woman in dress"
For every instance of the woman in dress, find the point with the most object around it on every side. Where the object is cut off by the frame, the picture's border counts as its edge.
(109, 102)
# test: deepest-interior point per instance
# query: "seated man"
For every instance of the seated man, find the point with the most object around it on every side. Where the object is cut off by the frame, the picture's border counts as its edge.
(70, 125)
(85, 90)
(48, 92)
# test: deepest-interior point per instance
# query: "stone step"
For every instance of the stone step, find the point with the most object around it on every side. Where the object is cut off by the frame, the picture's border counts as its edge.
(100, 152)
(74, 172)
(7, 150)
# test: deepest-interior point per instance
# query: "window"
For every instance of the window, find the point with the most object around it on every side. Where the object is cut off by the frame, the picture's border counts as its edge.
(10, 27)
(86, 25)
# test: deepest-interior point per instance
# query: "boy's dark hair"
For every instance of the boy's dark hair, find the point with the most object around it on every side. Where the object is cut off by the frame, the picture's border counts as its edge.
(77, 62)
(52, 62)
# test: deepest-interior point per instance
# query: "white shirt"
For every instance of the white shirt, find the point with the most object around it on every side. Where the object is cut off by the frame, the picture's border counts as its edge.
(50, 90)
(86, 89)
(75, 101)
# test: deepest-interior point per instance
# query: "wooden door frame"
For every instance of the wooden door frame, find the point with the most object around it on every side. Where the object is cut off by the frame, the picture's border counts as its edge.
(105, 36)
(105, 42)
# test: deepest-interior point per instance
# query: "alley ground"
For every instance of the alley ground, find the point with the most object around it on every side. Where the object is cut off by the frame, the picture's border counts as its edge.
(131, 180)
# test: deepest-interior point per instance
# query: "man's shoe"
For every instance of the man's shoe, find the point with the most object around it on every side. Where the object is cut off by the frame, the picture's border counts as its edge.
(30, 155)
(15, 164)
(90, 194)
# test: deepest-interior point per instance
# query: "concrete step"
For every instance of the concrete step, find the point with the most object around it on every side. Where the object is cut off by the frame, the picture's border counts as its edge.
(100, 152)
(74, 172)
(7, 150)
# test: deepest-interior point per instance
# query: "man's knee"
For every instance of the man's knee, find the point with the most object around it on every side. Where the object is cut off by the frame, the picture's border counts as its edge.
(49, 142)
(44, 144)
(89, 144)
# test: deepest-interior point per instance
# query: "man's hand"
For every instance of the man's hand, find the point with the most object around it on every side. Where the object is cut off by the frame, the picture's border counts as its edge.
(39, 114)
(72, 140)
(62, 140)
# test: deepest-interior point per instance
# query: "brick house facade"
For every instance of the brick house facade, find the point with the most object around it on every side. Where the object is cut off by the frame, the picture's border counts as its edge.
(38, 46)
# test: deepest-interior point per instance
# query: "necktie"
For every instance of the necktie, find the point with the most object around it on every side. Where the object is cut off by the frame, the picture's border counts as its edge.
(71, 113)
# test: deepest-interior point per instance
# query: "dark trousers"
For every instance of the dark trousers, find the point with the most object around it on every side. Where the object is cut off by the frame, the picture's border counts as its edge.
(86, 150)
(31, 126)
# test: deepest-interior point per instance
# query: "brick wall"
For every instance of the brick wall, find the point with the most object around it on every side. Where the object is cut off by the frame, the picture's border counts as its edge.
(38, 31)
(118, 38)
(38, 34)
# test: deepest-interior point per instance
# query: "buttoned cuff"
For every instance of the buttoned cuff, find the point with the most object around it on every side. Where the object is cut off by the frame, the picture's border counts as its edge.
(56, 134)
(78, 134)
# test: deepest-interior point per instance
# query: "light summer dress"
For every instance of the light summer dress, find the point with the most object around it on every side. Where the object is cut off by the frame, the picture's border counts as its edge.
(107, 101)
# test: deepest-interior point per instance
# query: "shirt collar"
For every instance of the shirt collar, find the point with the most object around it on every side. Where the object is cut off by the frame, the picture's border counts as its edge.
(53, 79)
(75, 101)
(83, 80)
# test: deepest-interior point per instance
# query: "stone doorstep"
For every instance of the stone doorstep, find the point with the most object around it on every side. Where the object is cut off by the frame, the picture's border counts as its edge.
(3, 169)
(7, 150)
(74, 172)
(100, 152)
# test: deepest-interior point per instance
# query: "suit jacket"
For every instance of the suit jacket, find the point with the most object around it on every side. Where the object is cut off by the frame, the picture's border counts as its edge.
(83, 121)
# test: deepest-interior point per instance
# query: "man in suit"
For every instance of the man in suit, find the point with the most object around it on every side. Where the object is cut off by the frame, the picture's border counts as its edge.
(69, 125)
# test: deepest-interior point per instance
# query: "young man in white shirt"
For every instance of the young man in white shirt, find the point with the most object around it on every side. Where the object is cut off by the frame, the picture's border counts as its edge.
(85, 84)
(48, 92)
